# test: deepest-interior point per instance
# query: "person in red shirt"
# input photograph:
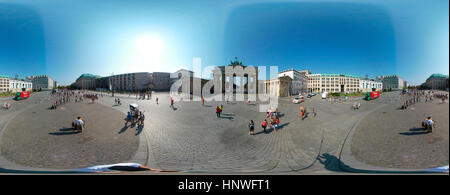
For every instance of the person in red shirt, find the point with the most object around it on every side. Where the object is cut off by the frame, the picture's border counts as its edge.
(217, 111)
(277, 122)
(264, 125)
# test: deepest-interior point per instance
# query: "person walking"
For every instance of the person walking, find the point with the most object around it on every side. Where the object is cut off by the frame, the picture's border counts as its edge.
(264, 125)
(221, 109)
(272, 123)
(251, 128)
(217, 111)
(156, 100)
(301, 112)
(141, 118)
(171, 102)
(276, 123)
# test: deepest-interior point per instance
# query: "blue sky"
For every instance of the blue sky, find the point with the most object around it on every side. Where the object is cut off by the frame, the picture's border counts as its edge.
(67, 38)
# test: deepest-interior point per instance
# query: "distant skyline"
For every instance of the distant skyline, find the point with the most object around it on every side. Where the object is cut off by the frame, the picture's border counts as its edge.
(65, 39)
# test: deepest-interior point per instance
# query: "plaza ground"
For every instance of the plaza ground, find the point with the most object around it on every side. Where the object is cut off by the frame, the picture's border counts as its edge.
(189, 138)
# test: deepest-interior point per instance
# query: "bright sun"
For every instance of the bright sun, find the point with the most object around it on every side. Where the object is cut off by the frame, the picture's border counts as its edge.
(148, 51)
(149, 44)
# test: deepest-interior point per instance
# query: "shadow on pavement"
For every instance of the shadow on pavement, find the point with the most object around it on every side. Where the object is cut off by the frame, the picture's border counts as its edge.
(332, 163)
(139, 129)
(414, 133)
(228, 114)
(261, 132)
(283, 125)
(226, 117)
(123, 129)
(417, 129)
(65, 131)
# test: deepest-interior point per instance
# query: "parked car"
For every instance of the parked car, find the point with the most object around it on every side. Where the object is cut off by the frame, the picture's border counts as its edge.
(324, 95)
(310, 96)
(298, 100)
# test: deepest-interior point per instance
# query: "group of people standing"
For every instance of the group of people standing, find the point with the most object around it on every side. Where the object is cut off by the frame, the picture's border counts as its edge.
(137, 117)
(63, 97)
(6, 105)
(219, 110)
(422, 96)
(273, 116)
(142, 96)
(117, 101)
(304, 112)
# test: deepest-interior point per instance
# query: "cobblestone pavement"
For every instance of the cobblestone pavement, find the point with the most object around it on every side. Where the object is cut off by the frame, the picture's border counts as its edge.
(190, 138)
(393, 138)
(38, 137)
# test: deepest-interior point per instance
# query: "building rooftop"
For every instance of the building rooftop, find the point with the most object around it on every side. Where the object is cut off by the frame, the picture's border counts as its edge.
(291, 69)
(4, 76)
(88, 76)
(438, 76)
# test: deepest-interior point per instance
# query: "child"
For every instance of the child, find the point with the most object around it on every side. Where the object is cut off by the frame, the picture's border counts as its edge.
(251, 128)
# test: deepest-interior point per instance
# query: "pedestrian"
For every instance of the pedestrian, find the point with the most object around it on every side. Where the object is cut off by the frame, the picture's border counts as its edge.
(277, 122)
(129, 118)
(305, 112)
(301, 114)
(221, 109)
(314, 112)
(272, 123)
(251, 128)
(217, 111)
(264, 125)
(141, 119)
(171, 102)
(156, 100)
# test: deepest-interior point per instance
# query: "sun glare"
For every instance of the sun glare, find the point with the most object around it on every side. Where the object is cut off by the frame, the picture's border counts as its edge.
(149, 44)
(148, 50)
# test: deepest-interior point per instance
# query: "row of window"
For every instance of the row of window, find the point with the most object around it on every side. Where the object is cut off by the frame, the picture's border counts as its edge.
(335, 82)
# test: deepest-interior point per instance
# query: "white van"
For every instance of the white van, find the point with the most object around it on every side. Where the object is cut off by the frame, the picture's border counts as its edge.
(324, 95)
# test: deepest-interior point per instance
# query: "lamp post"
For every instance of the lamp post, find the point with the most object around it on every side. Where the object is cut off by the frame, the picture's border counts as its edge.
(111, 84)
